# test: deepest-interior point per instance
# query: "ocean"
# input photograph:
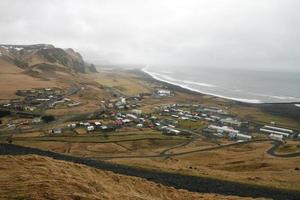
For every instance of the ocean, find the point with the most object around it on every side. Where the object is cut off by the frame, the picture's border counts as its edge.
(245, 85)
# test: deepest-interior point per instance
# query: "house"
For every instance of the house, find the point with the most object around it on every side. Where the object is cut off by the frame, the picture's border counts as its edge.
(103, 127)
(72, 126)
(136, 112)
(97, 123)
(36, 120)
(86, 124)
(231, 122)
(223, 128)
(139, 125)
(172, 131)
(90, 128)
(56, 130)
(163, 93)
(241, 136)
(125, 121)
(276, 137)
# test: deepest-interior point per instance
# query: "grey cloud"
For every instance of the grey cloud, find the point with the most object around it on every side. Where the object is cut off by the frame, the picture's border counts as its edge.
(231, 33)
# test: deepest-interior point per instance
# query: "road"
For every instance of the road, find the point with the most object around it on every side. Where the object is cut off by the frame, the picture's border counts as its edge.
(271, 151)
(164, 154)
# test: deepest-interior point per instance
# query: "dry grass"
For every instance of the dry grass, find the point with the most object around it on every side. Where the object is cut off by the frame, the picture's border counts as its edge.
(36, 177)
(123, 81)
(13, 79)
(290, 147)
(246, 163)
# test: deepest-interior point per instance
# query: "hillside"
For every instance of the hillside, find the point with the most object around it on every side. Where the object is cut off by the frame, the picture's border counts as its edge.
(41, 65)
(41, 55)
(36, 177)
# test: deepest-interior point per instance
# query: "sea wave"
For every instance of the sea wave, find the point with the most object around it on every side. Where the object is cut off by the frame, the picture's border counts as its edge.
(273, 96)
(170, 80)
(200, 84)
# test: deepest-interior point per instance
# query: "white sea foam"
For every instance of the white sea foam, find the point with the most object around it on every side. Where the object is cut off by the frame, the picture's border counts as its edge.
(275, 97)
(171, 80)
(200, 84)
(282, 98)
(297, 105)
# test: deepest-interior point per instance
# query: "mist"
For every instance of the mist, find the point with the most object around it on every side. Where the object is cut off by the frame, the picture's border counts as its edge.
(260, 34)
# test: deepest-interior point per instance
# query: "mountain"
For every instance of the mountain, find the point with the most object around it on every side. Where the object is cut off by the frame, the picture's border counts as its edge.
(45, 57)
(40, 65)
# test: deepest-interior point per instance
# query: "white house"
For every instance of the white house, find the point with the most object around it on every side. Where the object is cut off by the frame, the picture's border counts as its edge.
(241, 136)
(276, 137)
(90, 128)
(57, 131)
(162, 92)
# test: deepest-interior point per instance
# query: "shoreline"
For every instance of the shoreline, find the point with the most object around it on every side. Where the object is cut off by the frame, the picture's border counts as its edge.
(287, 109)
(233, 99)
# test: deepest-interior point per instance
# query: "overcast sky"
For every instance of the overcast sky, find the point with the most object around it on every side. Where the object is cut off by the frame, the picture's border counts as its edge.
(221, 33)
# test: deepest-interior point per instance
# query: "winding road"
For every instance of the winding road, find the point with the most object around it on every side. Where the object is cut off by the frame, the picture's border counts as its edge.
(271, 151)
(165, 154)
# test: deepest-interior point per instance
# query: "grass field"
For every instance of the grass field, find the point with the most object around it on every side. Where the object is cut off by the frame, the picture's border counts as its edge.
(125, 82)
(246, 163)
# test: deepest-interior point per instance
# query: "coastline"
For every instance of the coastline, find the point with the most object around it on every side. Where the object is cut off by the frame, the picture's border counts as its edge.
(287, 109)
(240, 100)
(235, 99)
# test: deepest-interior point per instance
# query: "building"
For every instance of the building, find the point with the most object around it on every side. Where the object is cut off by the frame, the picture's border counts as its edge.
(131, 116)
(241, 136)
(97, 123)
(276, 130)
(276, 137)
(279, 129)
(231, 122)
(36, 120)
(223, 128)
(56, 131)
(169, 130)
(73, 125)
(136, 112)
(163, 93)
(139, 125)
(90, 128)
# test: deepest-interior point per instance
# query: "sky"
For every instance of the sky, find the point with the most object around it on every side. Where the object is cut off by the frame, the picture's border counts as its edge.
(210, 33)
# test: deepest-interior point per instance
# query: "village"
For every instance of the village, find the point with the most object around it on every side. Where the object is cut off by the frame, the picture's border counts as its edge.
(186, 120)
(38, 99)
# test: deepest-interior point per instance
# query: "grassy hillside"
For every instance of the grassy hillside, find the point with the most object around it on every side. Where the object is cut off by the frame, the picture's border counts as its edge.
(36, 177)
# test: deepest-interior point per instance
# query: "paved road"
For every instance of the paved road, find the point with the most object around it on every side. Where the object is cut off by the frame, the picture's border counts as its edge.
(271, 151)
(191, 183)
(276, 145)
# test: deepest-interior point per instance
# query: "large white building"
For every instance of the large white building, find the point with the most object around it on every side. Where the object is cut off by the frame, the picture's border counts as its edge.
(276, 130)
(223, 128)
